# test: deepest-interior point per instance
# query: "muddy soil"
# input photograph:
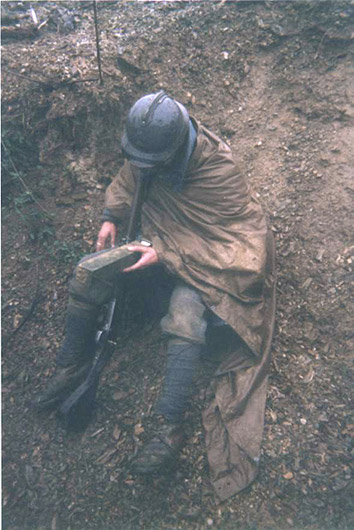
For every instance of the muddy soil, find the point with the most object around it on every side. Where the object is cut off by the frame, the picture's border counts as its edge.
(275, 80)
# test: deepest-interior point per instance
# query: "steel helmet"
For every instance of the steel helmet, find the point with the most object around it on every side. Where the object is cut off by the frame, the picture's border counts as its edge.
(156, 127)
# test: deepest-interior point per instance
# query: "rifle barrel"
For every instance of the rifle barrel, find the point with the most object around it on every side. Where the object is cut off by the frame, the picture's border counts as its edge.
(135, 215)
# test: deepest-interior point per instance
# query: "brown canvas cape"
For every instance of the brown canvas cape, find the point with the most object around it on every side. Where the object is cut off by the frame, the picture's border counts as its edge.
(213, 234)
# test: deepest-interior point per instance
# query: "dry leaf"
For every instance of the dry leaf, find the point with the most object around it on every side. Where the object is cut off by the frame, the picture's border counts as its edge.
(273, 415)
(54, 522)
(116, 432)
(17, 319)
(120, 394)
(309, 376)
(138, 429)
(97, 432)
(306, 283)
(107, 455)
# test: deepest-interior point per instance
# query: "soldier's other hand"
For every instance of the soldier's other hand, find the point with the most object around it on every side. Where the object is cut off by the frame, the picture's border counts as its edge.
(107, 233)
(148, 257)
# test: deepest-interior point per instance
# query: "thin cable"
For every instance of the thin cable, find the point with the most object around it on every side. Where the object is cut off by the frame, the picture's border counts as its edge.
(97, 42)
(26, 77)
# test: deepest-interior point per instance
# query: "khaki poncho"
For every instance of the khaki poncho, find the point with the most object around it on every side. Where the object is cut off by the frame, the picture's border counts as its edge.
(213, 235)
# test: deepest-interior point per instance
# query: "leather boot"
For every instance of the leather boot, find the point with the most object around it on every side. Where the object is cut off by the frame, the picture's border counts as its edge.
(160, 453)
(63, 381)
(73, 361)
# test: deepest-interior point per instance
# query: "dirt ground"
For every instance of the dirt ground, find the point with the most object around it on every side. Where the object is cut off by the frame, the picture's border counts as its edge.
(275, 80)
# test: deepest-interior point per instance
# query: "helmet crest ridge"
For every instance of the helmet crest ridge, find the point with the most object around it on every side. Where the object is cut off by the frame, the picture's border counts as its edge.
(150, 111)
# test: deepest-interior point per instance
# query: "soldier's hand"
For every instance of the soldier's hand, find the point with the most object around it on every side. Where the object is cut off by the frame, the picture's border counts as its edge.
(107, 233)
(148, 257)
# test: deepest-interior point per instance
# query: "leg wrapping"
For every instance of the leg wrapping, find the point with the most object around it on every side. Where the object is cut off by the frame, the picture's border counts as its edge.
(78, 345)
(182, 365)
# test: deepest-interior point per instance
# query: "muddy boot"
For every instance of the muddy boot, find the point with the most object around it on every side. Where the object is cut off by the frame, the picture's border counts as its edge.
(73, 361)
(63, 381)
(159, 455)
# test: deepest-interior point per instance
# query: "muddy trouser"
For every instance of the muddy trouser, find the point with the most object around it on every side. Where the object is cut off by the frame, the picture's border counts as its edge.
(185, 324)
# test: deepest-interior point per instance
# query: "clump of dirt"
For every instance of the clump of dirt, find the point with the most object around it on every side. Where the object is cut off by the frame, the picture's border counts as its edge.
(274, 80)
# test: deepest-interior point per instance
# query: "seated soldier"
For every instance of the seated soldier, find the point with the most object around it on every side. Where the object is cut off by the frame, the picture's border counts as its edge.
(210, 233)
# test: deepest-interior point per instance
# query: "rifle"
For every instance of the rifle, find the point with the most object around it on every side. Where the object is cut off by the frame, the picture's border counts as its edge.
(76, 411)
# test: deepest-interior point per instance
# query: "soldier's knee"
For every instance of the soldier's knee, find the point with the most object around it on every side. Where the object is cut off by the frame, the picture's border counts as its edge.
(186, 316)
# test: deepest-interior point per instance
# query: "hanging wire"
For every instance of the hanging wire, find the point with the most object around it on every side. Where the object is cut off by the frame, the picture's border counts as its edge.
(97, 42)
